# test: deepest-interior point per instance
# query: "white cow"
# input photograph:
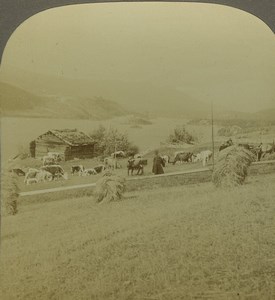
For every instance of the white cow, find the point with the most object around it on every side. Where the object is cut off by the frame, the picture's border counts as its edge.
(203, 156)
(118, 154)
(31, 181)
(111, 163)
(48, 160)
(166, 159)
(30, 174)
(88, 172)
(55, 155)
(44, 176)
(35, 176)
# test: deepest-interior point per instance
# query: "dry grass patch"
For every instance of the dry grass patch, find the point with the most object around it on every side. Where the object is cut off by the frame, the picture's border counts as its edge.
(188, 242)
(9, 193)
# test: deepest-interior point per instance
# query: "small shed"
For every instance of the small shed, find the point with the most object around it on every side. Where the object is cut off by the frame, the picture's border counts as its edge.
(71, 143)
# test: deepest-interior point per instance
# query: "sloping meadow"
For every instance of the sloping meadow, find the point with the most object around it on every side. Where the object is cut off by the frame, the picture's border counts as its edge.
(184, 242)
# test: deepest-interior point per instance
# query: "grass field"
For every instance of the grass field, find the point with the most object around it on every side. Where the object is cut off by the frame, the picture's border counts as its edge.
(187, 242)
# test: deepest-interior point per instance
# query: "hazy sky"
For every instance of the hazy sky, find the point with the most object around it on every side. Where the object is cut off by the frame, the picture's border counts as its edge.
(211, 52)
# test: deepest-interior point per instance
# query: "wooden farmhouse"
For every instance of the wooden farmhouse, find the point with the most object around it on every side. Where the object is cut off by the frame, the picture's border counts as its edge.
(70, 143)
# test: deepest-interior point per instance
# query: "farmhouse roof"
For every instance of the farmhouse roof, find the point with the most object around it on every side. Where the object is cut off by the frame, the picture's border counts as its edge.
(72, 137)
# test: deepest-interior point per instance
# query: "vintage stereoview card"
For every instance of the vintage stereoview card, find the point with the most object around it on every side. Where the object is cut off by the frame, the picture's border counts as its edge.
(138, 153)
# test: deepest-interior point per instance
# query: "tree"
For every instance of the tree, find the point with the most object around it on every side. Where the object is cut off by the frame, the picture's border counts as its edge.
(181, 135)
(98, 135)
(107, 141)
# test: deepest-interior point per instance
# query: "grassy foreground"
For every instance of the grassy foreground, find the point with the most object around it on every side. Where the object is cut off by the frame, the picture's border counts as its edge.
(189, 242)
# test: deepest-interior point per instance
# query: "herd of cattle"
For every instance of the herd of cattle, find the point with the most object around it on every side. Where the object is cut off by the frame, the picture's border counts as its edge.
(52, 170)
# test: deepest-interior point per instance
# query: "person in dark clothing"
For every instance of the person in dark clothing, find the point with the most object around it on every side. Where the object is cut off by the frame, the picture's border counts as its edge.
(158, 164)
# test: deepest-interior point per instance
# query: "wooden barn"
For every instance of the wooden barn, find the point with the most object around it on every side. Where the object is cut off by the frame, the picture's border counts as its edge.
(71, 143)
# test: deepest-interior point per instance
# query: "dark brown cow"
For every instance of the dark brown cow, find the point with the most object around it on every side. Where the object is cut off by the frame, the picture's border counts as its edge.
(19, 172)
(56, 171)
(226, 145)
(136, 164)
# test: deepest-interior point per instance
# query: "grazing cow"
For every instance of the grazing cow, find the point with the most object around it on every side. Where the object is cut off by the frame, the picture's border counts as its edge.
(88, 172)
(31, 174)
(77, 169)
(48, 160)
(55, 155)
(256, 150)
(18, 172)
(136, 164)
(43, 176)
(31, 181)
(166, 159)
(226, 145)
(183, 157)
(99, 168)
(203, 156)
(111, 163)
(56, 171)
(265, 149)
(118, 154)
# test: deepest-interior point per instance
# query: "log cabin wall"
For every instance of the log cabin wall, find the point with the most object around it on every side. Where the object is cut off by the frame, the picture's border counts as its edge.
(80, 151)
(49, 143)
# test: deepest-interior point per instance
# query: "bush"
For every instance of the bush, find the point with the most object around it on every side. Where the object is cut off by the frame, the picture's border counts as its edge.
(109, 188)
(181, 135)
(231, 167)
(10, 193)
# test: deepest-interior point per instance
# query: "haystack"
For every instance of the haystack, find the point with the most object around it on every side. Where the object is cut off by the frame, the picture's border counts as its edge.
(10, 193)
(231, 167)
(109, 188)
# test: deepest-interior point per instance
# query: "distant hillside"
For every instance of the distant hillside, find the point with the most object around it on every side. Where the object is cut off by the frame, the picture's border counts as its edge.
(268, 114)
(137, 96)
(18, 102)
(14, 100)
(85, 98)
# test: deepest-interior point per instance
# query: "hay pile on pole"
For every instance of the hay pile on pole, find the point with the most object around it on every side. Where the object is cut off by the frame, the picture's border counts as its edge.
(231, 166)
(9, 193)
(109, 188)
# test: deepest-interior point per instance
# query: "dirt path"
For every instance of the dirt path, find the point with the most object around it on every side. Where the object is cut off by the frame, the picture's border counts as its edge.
(79, 186)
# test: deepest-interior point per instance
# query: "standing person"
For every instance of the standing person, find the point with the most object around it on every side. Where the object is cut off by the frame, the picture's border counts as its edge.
(158, 164)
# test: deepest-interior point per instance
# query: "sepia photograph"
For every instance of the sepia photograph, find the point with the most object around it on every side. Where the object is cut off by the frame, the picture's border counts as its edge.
(138, 153)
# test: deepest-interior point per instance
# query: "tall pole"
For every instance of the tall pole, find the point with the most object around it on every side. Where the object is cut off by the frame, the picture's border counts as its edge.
(212, 127)
(115, 152)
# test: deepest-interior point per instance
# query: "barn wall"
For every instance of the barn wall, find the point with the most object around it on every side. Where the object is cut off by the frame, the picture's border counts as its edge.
(48, 143)
(43, 149)
(82, 151)
(32, 148)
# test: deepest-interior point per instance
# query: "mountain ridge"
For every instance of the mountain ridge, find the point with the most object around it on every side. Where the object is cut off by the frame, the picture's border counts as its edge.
(16, 101)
